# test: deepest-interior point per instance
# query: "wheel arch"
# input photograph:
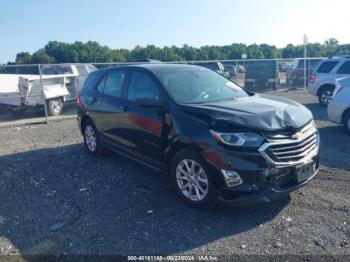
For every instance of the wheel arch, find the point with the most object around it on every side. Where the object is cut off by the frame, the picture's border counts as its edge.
(177, 147)
(323, 86)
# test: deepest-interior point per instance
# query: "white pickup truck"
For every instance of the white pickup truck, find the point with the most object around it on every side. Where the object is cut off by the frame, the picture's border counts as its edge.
(60, 82)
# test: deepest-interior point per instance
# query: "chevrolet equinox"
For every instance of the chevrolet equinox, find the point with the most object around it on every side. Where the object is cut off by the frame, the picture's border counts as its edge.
(212, 138)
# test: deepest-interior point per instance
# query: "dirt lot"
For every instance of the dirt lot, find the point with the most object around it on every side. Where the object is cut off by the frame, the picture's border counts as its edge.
(56, 198)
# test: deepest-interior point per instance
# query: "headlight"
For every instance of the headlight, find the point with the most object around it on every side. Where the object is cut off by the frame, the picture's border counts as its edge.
(248, 139)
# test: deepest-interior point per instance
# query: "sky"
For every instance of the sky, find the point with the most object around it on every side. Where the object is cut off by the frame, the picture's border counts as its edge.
(27, 25)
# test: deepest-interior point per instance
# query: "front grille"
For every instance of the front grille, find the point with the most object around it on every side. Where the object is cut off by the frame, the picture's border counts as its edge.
(291, 148)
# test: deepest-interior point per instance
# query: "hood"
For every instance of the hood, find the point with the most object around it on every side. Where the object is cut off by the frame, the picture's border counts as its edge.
(260, 112)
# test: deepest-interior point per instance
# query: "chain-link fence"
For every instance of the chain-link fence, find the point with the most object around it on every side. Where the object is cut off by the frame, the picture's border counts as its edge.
(40, 93)
(14, 98)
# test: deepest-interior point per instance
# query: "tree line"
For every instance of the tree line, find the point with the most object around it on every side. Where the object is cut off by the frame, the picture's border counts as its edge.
(93, 52)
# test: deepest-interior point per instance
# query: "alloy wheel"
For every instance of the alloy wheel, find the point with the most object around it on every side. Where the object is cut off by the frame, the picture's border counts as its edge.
(90, 138)
(192, 180)
(325, 97)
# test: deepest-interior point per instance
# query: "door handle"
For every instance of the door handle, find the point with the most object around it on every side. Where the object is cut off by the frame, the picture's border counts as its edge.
(124, 108)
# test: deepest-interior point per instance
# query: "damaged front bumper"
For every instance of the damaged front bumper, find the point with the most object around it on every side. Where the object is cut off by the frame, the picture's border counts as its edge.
(278, 167)
(275, 186)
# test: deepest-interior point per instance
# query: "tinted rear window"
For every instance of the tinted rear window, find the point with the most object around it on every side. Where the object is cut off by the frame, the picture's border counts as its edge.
(265, 66)
(310, 63)
(327, 66)
(92, 79)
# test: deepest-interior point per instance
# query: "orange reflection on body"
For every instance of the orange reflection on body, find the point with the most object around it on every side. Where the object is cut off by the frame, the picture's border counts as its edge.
(146, 124)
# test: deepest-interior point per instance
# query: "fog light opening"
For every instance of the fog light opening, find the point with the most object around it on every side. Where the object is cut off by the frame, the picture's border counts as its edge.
(232, 178)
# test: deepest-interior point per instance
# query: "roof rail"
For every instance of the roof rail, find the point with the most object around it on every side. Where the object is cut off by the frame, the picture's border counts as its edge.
(340, 56)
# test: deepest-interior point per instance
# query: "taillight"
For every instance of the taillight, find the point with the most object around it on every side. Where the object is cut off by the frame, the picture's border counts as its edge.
(79, 103)
(278, 73)
(312, 78)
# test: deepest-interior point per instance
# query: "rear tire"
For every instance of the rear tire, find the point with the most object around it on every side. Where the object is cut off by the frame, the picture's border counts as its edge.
(324, 94)
(54, 106)
(92, 140)
(192, 180)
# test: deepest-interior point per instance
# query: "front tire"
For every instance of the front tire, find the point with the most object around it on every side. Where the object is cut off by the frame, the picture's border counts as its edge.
(192, 180)
(92, 140)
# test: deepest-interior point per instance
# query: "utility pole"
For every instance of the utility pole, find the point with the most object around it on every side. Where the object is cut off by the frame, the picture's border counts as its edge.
(305, 54)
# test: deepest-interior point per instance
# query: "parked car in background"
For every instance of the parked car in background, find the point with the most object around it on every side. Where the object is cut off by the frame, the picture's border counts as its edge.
(295, 73)
(322, 81)
(207, 134)
(261, 75)
(231, 69)
(215, 66)
(61, 82)
(339, 104)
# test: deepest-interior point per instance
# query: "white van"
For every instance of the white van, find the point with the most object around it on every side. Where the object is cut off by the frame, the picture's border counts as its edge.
(61, 83)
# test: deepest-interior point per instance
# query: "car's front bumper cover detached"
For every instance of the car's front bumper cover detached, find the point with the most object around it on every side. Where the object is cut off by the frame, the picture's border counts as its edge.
(282, 165)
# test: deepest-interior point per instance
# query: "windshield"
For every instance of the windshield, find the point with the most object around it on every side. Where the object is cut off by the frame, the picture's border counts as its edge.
(199, 86)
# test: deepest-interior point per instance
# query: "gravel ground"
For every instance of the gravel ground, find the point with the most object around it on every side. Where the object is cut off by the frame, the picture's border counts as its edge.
(58, 199)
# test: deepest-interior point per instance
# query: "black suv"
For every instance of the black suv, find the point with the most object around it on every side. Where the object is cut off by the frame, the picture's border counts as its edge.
(216, 66)
(262, 75)
(212, 138)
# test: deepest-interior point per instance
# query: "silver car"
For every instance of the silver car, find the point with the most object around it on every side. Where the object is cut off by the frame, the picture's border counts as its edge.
(339, 104)
(323, 80)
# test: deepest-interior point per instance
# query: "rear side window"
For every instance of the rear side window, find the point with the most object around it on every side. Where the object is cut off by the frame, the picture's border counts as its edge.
(345, 68)
(141, 86)
(91, 80)
(327, 66)
(112, 84)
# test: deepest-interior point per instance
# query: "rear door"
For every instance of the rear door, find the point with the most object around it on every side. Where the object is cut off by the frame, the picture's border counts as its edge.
(142, 126)
(105, 107)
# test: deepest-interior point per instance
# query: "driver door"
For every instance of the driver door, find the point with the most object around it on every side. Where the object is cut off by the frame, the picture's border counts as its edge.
(142, 125)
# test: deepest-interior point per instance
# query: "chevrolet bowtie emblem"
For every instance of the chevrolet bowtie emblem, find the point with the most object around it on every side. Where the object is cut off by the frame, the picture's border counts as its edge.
(297, 135)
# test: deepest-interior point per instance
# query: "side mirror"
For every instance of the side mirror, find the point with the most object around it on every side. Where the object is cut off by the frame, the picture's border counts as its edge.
(149, 102)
